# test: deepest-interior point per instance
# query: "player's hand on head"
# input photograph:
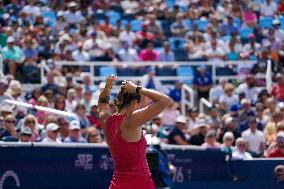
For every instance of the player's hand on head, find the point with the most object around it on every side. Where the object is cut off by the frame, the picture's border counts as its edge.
(129, 86)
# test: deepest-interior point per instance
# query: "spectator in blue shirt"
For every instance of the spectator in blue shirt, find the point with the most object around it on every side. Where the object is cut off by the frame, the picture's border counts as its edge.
(50, 85)
(175, 91)
(13, 56)
(177, 136)
(202, 81)
(166, 54)
(229, 27)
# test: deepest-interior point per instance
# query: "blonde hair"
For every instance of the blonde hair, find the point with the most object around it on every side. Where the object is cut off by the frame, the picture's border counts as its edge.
(31, 116)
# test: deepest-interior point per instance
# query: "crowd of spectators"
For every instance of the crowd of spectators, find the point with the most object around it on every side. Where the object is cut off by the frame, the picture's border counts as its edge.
(244, 120)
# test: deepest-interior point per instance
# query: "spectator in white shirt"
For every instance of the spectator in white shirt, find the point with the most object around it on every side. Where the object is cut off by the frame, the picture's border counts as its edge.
(31, 9)
(127, 35)
(268, 8)
(279, 33)
(130, 6)
(94, 46)
(73, 16)
(71, 102)
(249, 89)
(216, 91)
(215, 52)
(252, 47)
(52, 131)
(80, 54)
(228, 98)
(254, 138)
(179, 28)
(127, 54)
(240, 152)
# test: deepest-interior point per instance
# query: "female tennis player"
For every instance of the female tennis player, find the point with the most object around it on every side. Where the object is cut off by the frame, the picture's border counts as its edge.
(123, 131)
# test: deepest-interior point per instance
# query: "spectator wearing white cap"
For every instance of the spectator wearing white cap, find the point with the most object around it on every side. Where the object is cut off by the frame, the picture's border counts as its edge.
(201, 128)
(177, 135)
(25, 135)
(73, 15)
(229, 125)
(227, 145)
(240, 152)
(13, 56)
(52, 131)
(74, 133)
(278, 32)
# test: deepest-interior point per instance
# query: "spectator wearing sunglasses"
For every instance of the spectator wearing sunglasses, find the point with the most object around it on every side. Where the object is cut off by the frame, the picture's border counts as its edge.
(52, 131)
(240, 152)
(25, 135)
(9, 129)
(93, 135)
(278, 150)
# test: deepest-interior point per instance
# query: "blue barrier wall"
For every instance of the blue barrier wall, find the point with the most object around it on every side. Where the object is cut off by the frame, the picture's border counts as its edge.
(39, 166)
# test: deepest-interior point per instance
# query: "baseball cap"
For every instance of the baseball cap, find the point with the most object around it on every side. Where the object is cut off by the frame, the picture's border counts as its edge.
(275, 22)
(251, 36)
(280, 137)
(52, 127)
(244, 101)
(10, 39)
(181, 119)
(26, 130)
(228, 120)
(211, 133)
(201, 123)
(235, 108)
(74, 124)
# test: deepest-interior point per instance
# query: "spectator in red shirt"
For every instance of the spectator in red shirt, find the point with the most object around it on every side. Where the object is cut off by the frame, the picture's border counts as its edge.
(94, 114)
(149, 54)
(278, 88)
(106, 27)
(281, 7)
(143, 37)
(278, 150)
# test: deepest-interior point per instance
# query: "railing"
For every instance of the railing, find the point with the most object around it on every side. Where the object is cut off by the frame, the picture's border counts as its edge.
(202, 103)
(213, 64)
(268, 76)
(185, 101)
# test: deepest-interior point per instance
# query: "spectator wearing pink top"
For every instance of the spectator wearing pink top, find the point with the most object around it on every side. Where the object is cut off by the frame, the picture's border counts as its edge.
(278, 88)
(35, 95)
(210, 140)
(250, 17)
(148, 54)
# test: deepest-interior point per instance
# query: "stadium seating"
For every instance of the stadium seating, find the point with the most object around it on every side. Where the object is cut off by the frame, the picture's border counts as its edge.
(265, 22)
(106, 71)
(185, 71)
